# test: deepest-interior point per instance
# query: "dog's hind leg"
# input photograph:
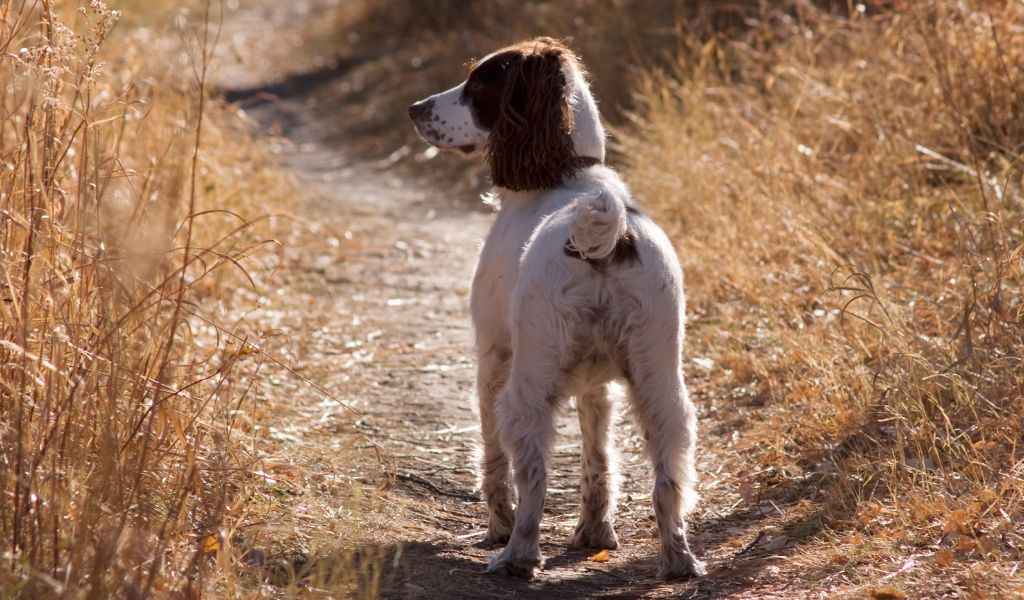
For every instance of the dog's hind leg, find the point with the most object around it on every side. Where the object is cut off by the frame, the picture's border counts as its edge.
(494, 469)
(597, 480)
(669, 422)
(525, 419)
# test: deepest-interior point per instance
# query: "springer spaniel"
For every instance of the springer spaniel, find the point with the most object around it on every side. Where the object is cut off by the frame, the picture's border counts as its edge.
(575, 288)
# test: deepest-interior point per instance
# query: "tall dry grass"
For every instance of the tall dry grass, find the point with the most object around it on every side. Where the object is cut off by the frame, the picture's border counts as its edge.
(846, 195)
(122, 208)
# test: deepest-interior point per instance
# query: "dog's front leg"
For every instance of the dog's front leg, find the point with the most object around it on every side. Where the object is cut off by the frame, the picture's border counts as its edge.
(494, 472)
(525, 421)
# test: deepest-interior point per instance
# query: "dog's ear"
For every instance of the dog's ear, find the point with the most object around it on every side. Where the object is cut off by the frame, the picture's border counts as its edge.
(530, 146)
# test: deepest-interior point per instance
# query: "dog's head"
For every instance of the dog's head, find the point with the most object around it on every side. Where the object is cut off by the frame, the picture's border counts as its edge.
(528, 107)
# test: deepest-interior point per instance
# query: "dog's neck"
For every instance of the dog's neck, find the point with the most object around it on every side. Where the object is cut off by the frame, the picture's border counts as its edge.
(587, 132)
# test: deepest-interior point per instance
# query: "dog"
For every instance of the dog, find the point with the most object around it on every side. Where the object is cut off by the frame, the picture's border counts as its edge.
(575, 288)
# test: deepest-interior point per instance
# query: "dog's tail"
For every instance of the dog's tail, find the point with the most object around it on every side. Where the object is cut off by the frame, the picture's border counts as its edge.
(598, 225)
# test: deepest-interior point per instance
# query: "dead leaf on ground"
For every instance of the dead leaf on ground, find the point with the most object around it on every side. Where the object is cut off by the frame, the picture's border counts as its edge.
(748, 492)
(965, 544)
(210, 544)
(602, 556)
(944, 557)
(983, 500)
(868, 512)
(924, 510)
(957, 521)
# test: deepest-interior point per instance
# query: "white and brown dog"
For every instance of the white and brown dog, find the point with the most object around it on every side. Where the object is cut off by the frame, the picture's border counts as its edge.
(575, 288)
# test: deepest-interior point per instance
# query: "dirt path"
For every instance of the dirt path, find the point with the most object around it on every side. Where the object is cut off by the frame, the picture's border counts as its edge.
(375, 300)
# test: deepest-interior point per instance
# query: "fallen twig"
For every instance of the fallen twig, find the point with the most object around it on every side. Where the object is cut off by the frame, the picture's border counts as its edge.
(433, 488)
(752, 544)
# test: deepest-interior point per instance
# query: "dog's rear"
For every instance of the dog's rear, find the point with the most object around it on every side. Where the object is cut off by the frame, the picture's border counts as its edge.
(599, 297)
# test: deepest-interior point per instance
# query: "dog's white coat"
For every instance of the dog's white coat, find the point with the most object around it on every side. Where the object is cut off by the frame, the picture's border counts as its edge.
(549, 326)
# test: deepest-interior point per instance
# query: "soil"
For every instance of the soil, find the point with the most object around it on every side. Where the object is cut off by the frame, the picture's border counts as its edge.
(373, 299)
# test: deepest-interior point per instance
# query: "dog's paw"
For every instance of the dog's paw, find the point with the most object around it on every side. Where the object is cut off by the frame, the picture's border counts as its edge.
(523, 567)
(499, 528)
(681, 565)
(599, 535)
(495, 538)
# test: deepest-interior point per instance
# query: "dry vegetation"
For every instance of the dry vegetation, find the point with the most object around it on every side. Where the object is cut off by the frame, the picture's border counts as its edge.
(126, 205)
(846, 194)
(845, 187)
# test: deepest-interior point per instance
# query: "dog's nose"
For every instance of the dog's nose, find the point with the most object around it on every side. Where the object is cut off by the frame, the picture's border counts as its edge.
(420, 109)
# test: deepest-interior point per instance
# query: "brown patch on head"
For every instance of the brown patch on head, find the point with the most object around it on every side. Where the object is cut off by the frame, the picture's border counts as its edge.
(519, 94)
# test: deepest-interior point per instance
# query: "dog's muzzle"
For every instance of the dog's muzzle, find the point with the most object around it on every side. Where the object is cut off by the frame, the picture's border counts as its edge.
(421, 110)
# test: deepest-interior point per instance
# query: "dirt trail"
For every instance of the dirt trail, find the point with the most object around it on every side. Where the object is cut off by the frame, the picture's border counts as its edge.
(381, 288)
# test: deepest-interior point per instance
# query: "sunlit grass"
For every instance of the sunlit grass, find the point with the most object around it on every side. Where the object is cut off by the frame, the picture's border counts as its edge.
(124, 207)
(846, 198)
(844, 191)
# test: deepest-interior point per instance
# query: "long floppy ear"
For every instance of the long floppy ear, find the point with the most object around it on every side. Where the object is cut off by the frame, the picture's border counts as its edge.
(530, 146)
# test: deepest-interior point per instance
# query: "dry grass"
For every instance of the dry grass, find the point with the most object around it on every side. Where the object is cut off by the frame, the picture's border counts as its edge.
(122, 408)
(846, 194)
(845, 189)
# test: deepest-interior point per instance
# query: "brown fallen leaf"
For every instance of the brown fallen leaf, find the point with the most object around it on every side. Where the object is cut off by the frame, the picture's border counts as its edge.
(957, 521)
(926, 509)
(944, 557)
(747, 492)
(602, 556)
(210, 544)
(965, 544)
(983, 500)
(868, 512)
